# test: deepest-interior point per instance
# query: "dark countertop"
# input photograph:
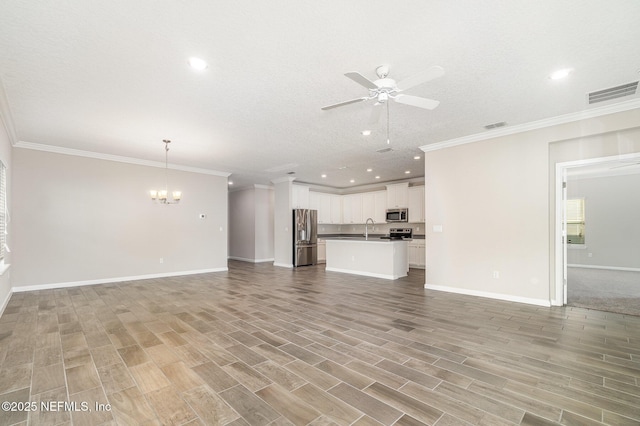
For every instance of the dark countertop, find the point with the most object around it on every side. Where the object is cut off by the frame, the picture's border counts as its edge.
(325, 236)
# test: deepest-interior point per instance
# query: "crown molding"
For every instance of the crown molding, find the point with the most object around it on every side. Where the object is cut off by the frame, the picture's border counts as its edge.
(252, 187)
(6, 117)
(535, 125)
(117, 158)
(283, 179)
(258, 186)
(377, 186)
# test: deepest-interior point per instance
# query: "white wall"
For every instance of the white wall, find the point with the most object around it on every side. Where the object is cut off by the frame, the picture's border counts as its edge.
(495, 201)
(80, 219)
(242, 224)
(6, 158)
(264, 204)
(612, 226)
(282, 221)
(251, 224)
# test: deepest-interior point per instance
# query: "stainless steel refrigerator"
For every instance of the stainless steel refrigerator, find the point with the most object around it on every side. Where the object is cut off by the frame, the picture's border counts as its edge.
(305, 237)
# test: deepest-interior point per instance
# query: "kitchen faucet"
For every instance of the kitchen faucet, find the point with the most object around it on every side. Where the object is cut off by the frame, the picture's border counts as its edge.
(366, 228)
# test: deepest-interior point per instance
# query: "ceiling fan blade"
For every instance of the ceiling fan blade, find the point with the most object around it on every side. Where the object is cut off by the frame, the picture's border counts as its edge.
(417, 101)
(422, 77)
(361, 80)
(352, 101)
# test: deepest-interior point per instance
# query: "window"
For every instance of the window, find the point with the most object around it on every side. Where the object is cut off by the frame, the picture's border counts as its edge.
(575, 221)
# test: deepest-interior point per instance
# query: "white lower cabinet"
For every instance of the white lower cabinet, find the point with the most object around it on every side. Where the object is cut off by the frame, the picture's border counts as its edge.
(417, 254)
(322, 251)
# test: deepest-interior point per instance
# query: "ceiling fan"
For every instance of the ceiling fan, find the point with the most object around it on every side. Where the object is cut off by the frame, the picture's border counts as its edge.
(386, 88)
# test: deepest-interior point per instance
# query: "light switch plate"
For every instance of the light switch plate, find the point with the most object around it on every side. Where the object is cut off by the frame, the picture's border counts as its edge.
(437, 228)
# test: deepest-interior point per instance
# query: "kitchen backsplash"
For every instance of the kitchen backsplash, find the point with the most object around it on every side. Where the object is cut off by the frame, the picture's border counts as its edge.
(377, 228)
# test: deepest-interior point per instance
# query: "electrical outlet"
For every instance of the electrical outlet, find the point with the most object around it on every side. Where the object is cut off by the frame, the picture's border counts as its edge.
(590, 255)
(496, 274)
(162, 260)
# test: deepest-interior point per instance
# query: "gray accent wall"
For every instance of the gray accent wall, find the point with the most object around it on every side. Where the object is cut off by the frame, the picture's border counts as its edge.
(79, 219)
(612, 225)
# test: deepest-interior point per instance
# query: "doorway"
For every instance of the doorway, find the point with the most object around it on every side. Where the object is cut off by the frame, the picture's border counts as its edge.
(598, 246)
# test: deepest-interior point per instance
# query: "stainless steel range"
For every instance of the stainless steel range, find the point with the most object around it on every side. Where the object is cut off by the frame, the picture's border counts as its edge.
(399, 234)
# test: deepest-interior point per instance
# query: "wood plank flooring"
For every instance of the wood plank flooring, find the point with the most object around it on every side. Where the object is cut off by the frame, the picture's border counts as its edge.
(262, 345)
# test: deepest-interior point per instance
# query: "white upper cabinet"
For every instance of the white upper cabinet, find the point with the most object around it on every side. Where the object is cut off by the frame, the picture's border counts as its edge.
(352, 208)
(314, 202)
(357, 208)
(336, 208)
(368, 205)
(380, 202)
(398, 195)
(300, 197)
(374, 206)
(416, 204)
(321, 202)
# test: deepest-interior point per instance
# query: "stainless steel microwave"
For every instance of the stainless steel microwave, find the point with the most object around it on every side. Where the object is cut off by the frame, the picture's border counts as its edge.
(397, 215)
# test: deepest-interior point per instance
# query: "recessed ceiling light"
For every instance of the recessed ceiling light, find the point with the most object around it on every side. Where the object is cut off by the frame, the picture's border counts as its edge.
(559, 74)
(352, 180)
(406, 172)
(417, 157)
(366, 132)
(230, 182)
(377, 177)
(197, 64)
(323, 176)
(369, 170)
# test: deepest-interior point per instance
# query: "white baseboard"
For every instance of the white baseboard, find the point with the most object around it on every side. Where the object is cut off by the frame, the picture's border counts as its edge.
(5, 302)
(18, 289)
(366, 274)
(246, 259)
(613, 268)
(283, 265)
(498, 296)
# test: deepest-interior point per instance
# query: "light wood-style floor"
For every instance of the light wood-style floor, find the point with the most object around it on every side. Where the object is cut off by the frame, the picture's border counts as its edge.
(262, 345)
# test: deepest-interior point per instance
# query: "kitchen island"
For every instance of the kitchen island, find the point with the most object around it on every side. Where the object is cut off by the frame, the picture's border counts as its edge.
(375, 257)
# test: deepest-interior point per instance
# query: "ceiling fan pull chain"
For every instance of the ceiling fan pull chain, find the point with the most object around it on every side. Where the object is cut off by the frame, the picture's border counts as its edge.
(388, 125)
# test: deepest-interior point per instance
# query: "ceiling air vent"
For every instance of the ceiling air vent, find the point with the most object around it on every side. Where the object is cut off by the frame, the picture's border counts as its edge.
(495, 125)
(613, 93)
(383, 150)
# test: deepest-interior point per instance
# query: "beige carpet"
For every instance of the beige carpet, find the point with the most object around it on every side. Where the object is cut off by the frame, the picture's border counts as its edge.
(604, 290)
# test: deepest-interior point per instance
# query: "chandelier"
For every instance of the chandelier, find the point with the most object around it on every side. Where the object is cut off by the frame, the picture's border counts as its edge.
(162, 195)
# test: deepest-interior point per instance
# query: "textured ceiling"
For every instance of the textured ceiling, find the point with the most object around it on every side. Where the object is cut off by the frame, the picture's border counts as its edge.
(111, 77)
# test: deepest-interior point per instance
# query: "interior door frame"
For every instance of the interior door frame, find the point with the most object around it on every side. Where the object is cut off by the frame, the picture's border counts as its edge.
(560, 297)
